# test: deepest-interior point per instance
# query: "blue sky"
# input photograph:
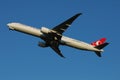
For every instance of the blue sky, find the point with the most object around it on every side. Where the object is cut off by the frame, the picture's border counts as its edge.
(22, 59)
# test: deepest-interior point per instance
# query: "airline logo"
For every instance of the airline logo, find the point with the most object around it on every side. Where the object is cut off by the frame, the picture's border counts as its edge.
(99, 42)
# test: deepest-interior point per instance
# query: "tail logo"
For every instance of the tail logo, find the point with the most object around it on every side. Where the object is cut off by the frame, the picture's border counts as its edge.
(99, 42)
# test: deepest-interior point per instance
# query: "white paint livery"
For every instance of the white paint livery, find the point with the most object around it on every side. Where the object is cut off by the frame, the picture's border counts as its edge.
(64, 40)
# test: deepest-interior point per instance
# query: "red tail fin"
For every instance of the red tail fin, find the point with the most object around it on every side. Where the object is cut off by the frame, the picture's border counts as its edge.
(99, 42)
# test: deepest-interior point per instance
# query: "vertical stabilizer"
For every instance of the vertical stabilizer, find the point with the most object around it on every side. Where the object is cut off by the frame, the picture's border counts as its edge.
(98, 42)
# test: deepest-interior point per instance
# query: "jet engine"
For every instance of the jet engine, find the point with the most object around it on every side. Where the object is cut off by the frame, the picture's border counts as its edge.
(45, 30)
(42, 44)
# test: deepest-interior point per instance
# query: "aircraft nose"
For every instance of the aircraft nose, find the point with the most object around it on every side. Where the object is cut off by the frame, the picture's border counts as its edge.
(10, 26)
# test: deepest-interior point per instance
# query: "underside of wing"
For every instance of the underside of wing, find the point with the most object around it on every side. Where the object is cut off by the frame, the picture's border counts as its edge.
(54, 35)
(63, 26)
(56, 49)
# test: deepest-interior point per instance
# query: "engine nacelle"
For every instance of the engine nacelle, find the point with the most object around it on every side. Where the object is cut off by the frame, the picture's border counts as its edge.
(45, 30)
(42, 44)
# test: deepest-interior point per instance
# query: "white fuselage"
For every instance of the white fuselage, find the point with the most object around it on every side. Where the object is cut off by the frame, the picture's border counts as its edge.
(64, 40)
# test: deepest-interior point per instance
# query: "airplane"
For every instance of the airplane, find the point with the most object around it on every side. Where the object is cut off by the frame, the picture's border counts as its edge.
(54, 37)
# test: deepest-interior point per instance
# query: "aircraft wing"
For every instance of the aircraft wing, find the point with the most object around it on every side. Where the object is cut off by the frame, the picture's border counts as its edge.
(56, 36)
(56, 49)
(63, 26)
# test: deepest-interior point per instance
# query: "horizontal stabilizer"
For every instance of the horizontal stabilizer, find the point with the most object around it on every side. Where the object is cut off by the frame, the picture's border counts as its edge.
(102, 45)
(98, 54)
